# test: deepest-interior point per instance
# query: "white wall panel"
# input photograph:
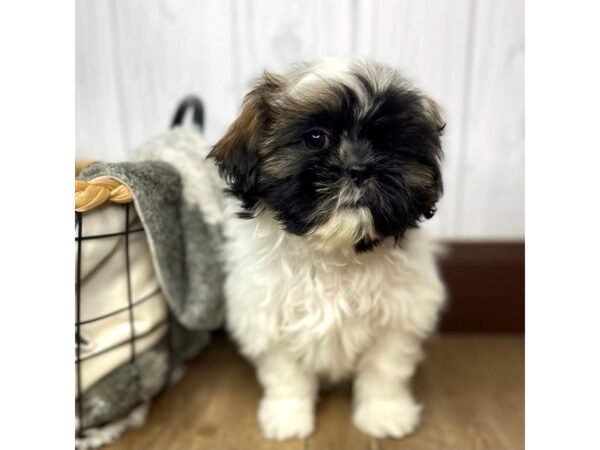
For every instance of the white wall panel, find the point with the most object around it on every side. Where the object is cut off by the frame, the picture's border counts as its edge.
(99, 121)
(137, 58)
(167, 50)
(492, 169)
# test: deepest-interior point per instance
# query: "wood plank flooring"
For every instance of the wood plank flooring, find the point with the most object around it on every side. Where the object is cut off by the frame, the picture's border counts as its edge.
(472, 387)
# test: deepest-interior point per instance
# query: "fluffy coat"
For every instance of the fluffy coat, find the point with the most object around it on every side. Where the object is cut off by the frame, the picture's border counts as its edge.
(301, 315)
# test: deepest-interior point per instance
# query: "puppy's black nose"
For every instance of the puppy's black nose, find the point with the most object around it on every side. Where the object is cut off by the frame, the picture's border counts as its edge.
(358, 173)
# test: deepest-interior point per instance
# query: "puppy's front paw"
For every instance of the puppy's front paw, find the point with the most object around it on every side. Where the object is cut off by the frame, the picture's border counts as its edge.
(284, 419)
(387, 418)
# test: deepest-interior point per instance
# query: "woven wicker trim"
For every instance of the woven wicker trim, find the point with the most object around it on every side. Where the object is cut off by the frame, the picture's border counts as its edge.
(91, 194)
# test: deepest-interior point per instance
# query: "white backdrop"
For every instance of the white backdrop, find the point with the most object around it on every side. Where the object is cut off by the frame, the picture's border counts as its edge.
(135, 59)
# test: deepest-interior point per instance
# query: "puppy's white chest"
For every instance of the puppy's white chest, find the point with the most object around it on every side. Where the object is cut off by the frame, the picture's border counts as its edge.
(325, 309)
(332, 353)
(326, 314)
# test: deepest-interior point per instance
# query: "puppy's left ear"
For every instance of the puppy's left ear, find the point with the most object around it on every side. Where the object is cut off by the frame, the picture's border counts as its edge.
(434, 188)
(432, 111)
(236, 154)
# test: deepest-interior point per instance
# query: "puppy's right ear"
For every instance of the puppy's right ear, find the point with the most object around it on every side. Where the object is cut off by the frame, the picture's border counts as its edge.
(236, 154)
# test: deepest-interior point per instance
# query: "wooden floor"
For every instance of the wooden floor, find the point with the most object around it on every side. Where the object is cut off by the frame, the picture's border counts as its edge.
(472, 387)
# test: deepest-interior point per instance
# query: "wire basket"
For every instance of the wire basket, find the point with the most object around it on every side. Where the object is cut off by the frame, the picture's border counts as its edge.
(129, 345)
(120, 310)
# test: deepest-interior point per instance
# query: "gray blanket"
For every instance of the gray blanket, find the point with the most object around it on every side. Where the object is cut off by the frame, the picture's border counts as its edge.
(185, 243)
(177, 195)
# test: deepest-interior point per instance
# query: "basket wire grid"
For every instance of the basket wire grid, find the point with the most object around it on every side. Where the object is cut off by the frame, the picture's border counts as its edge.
(131, 341)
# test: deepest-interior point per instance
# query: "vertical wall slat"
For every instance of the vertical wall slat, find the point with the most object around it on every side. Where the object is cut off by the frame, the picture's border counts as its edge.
(99, 123)
(492, 188)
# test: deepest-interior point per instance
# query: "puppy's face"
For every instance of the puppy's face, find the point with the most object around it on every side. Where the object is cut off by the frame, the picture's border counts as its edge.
(344, 154)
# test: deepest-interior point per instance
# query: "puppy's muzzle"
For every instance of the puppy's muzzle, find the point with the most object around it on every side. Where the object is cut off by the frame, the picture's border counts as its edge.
(358, 173)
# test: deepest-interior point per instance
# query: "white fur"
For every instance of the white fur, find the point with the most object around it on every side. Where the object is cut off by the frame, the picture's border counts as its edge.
(323, 72)
(98, 437)
(302, 312)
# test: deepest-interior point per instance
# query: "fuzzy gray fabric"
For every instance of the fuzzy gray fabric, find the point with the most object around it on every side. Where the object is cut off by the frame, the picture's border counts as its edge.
(184, 246)
(178, 205)
(117, 393)
(114, 395)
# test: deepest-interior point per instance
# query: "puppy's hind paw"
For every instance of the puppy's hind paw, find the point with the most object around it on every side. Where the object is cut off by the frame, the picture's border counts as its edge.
(387, 418)
(285, 419)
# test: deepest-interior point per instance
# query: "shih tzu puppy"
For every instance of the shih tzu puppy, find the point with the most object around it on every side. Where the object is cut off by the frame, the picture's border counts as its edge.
(331, 167)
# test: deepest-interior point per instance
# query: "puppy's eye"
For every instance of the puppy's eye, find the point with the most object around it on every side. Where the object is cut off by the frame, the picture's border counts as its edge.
(316, 140)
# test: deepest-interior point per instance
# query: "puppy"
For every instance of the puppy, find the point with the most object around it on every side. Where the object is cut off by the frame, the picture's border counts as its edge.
(330, 168)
